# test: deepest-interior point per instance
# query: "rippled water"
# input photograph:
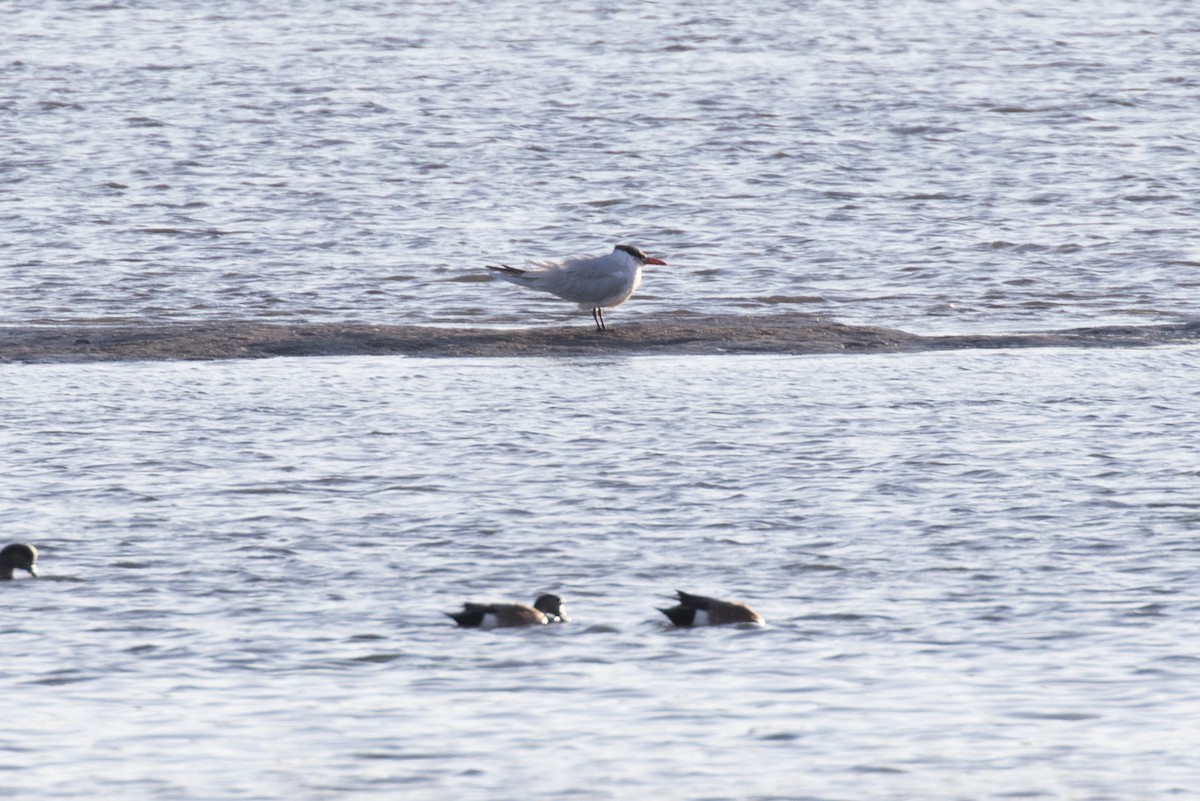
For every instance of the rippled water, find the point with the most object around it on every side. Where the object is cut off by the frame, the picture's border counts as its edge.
(938, 166)
(979, 571)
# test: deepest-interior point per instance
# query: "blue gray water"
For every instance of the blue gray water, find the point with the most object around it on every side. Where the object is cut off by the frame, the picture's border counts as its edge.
(939, 166)
(979, 569)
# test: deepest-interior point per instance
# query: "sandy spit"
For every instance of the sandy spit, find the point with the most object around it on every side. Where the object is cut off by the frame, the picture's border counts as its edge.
(783, 334)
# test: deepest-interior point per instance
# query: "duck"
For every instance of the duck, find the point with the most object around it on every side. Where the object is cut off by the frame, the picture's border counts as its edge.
(596, 283)
(547, 608)
(18, 557)
(699, 610)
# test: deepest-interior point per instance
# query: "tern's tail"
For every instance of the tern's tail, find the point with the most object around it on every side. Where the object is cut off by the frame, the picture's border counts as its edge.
(511, 274)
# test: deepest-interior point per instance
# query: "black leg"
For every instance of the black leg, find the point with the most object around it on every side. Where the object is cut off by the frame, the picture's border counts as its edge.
(598, 316)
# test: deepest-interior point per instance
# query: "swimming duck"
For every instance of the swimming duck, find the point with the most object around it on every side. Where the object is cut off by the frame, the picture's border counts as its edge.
(697, 610)
(18, 557)
(546, 609)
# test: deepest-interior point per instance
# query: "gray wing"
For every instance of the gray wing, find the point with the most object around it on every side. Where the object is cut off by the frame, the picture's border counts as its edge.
(582, 281)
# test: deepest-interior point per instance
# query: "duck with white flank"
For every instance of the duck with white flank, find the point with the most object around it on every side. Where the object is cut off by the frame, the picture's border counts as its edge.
(18, 557)
(546, 609)
(697, 610)
(598, 283)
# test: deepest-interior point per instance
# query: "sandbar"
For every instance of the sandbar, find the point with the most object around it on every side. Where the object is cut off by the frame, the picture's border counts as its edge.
(692, 335)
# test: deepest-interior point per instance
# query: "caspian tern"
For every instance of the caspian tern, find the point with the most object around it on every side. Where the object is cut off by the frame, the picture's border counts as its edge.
(597, 283)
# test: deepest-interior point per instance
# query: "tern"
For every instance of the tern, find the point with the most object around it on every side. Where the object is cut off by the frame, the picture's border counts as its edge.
(597, 283)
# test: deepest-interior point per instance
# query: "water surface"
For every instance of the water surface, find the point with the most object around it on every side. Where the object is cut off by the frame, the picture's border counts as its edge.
(978, 570)
(951, 166)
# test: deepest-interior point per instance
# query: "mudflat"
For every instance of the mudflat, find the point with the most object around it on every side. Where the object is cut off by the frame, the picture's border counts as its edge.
(704, 335)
